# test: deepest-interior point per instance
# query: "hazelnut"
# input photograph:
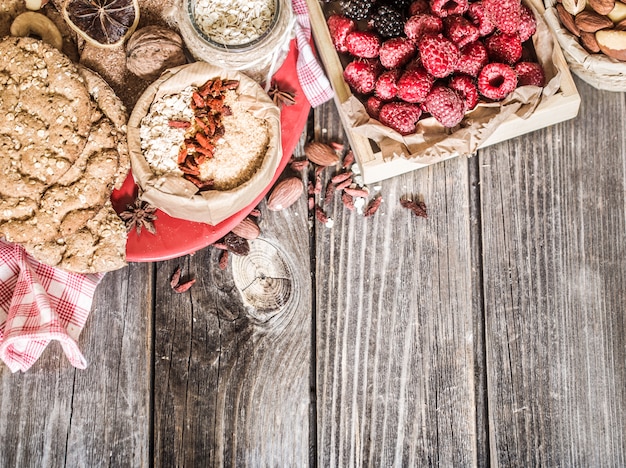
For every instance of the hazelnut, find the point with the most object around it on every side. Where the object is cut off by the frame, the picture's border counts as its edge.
(152, 50)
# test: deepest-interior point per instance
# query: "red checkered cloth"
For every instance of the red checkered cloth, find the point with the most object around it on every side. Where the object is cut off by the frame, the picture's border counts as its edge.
(314, 83)
(39, 304)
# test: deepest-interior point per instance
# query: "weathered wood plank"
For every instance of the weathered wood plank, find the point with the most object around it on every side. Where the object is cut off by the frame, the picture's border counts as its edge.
(56, 416)
(233, 354)
(553, 224)
(395, 357)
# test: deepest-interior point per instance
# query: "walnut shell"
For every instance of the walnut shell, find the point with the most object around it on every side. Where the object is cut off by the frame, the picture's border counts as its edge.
(152, 50)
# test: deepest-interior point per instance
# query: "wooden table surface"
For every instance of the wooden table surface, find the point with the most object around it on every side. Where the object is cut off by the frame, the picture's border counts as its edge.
(490, 334)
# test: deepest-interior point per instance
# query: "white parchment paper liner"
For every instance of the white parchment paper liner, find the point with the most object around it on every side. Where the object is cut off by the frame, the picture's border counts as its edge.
(178, 197)
(432, 142)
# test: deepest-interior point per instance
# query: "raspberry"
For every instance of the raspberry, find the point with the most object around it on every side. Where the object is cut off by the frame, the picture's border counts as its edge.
(460, 31)
(360, 76)
(527, 25)
(419, 6)
(476, 14)
(421, 24)
(443, 8)
(396, 52)
(505, 14)
(505, 48)
(439, 55)
(339, 27)
(497, 80)
(400, 116)
(445, 105)
(363, 44)
(373, 105)
(473, 58)
(465, 87)
(387, 85)
(530, 73)
(414, 85)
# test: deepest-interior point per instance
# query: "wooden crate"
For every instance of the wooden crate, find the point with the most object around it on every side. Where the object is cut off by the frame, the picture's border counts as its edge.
(559, 107)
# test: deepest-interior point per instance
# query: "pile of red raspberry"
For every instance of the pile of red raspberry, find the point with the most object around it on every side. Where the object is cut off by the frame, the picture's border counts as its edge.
(450, 54)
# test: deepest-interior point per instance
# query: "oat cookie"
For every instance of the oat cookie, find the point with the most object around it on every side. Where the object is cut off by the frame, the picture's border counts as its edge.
(55, 198)
(47, 111)
(99, 246)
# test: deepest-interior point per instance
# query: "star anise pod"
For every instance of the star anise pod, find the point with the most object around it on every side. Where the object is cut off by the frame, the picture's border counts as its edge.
(139, 215)
(281, 97)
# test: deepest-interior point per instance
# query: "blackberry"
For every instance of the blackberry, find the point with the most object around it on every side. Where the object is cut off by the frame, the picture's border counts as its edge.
(388, 21)
(357, 9)
(399, 5)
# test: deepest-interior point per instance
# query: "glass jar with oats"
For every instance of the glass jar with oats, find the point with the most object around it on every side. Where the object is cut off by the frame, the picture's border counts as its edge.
(251, 36)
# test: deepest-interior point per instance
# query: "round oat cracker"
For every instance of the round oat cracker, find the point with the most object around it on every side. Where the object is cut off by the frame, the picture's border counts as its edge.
(46, 111)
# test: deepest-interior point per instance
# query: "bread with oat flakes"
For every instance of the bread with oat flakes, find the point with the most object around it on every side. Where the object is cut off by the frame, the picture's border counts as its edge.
(62, 151)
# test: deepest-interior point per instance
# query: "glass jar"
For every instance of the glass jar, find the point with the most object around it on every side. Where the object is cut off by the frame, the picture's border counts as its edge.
(257, 55)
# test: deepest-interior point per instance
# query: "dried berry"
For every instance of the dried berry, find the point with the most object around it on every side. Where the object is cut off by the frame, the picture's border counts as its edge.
(373, 205)
(175, 279)
(417, 207)
(320, 215)
(181, 288)
(348, 200)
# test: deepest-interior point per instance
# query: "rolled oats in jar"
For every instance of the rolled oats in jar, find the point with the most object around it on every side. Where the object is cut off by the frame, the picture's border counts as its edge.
(251, 36)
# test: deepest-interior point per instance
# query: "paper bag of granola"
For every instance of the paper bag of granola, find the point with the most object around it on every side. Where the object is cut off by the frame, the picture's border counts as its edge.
(238, 176)
(432, 142)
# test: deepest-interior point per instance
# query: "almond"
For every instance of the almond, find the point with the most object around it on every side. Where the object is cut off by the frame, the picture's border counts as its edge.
(590, 21)
(247, 228)
(285, 194)
(321, 154)
(573, 7)
(602, 7)
(567, 20)
(589, 42)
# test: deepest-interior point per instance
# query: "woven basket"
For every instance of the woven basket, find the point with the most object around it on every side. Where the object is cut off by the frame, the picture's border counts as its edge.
(598, 70)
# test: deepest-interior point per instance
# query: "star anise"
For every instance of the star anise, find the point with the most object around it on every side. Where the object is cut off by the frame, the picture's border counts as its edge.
(139, 215)
(281, 97)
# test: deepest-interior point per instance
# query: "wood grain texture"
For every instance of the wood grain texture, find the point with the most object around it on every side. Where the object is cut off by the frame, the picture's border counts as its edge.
(56, 416)
(553, 224)
(232, 368)
(395, 358)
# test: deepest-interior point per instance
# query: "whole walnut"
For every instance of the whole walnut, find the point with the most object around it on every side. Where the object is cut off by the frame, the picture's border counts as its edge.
(152, 50)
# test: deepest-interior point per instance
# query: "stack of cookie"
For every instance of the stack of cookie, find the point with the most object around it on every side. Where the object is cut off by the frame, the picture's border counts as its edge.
(62, 151)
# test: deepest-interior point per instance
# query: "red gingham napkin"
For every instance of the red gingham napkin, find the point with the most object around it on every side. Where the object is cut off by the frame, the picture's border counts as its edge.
(38, 304)
(314, 83)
